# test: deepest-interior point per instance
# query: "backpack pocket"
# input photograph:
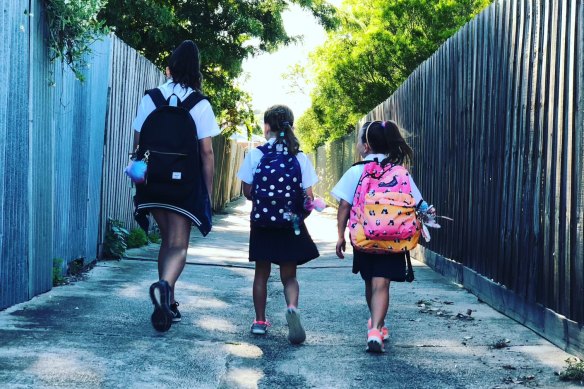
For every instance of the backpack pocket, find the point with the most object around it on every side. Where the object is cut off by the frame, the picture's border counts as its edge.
(166, 167)
(389, 216)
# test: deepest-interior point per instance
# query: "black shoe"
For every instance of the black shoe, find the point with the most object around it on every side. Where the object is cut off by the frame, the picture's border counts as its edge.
(175, 312)
(162, 316)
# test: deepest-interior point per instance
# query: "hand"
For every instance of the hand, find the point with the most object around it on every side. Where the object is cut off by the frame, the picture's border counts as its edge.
(341, 247)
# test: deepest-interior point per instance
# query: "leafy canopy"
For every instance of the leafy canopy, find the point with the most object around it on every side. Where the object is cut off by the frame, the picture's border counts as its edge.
(378, 45)
(226, 32)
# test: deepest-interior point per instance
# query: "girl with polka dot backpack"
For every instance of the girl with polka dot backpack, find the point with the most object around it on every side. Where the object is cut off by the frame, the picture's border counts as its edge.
(278, 178)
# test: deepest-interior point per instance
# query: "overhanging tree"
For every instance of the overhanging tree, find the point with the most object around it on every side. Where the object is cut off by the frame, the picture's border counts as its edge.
(378, 44)
(226, 31)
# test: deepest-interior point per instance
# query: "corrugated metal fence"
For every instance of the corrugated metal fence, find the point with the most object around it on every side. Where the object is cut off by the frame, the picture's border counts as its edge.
(497, 118)
(55, 143)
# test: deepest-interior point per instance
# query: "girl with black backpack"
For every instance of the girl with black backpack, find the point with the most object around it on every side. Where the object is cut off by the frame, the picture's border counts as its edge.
(173, 130)
(278, 178)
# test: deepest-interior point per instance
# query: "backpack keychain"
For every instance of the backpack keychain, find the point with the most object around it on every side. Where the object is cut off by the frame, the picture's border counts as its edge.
(136, 169)
(427, 215)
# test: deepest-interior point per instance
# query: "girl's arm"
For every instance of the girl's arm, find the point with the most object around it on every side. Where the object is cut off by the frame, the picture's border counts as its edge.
(208, 160)
(247, 190)
(342, 218)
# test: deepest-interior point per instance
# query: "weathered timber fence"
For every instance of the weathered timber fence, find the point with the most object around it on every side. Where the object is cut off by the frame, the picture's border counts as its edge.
(51, 144)
(61, 161)
(497, 123)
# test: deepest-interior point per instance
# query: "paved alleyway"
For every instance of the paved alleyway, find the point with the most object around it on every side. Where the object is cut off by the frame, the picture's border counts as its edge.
(96, 333)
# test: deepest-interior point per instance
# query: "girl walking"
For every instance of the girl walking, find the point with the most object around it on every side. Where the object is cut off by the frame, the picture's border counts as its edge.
(378, 195)
(277, 177)
(173, 130)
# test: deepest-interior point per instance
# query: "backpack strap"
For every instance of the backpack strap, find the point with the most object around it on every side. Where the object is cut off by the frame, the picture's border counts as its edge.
(192, 100)
(157, 97)
(410, 272)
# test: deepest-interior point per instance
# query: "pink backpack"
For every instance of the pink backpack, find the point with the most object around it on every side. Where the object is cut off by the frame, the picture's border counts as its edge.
(383, 217)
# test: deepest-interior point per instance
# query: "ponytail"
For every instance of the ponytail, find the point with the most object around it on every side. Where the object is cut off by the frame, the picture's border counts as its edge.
(385, 138)
(281, 121)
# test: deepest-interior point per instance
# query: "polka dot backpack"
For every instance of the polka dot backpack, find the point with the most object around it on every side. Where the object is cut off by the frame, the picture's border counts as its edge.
(383, 216)
(277, 188)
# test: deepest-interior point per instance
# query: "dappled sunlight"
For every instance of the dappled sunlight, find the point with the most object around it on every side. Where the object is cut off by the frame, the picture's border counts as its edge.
(65, 368)
(245, 272)
(245, 378)
(213, 323)
(132, 291)
(217, 253)
(208, 303)
(188, 286)
(243, 350)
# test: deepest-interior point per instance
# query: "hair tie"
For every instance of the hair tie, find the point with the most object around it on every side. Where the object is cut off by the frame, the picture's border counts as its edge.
(367, 131)
(283, 124)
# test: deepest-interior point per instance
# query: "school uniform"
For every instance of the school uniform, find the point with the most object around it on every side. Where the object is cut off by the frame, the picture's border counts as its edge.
(196, 207)
(279, 245)
(390, 265)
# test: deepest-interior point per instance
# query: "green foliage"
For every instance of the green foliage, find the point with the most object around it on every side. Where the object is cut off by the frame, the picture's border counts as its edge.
(73, 27)
(58, 278)
(137, 238)
(574, 371)
(226, 32)
(115, 239)
(378, 45)
(154, 237)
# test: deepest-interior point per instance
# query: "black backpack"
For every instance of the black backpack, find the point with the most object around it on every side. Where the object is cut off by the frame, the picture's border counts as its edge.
(169, 145)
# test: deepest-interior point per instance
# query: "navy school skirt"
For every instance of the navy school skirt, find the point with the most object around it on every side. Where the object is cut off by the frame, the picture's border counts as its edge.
(281, 245)
(391, 265)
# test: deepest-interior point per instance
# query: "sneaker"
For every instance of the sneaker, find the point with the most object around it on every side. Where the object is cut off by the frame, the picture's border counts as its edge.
(375, 341)
(296, 334)
(260, 327)
(176, 317)
(384, 330)
(162, 316)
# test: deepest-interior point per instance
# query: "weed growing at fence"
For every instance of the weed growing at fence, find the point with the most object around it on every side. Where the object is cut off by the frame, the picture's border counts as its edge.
(154, 237)
(574, 371)
(73, 27)
(137, 238)
(58, 278)
(115, 244)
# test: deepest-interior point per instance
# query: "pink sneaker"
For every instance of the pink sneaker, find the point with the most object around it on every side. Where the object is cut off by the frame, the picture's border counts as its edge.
(375, 341)
(384, 330)
(260, 327)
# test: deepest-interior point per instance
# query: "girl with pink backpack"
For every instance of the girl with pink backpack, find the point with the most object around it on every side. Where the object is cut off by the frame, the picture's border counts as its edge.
(381, 203)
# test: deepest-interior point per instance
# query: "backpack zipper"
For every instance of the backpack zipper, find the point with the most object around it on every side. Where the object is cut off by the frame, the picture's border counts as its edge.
(147, 155)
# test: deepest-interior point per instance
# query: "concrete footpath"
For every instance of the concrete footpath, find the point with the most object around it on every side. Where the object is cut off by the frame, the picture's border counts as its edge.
(96, 333)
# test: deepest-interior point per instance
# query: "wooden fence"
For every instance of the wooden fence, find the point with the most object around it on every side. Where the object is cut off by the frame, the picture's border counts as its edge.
(496, 118)
(62, 175)
(51, 146)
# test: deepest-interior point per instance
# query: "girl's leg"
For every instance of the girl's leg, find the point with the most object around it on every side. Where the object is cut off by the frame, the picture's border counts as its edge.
(260, 288)
(291, 287)
(175, 230)
(368, 291)
(379, 301)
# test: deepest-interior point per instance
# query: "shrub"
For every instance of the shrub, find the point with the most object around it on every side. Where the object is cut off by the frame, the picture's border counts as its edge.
(115, 244)
(137, 238)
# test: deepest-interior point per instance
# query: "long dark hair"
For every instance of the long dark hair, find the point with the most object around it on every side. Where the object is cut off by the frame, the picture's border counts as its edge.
(184, 65)
(281, 120)
(386, 138)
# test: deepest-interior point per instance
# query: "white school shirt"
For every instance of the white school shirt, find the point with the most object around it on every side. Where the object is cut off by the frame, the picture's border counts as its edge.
(202, 113)
(252, 160)
(347, 185)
